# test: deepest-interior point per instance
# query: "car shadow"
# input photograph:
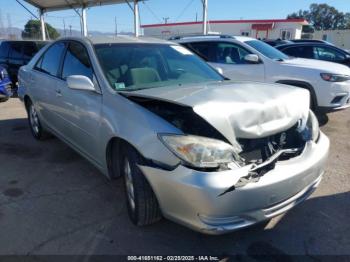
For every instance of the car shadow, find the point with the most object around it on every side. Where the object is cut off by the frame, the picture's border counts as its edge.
(308, 229)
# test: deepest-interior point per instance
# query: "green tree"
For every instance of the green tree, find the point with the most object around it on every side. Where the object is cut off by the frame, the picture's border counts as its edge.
(32, 30)
(324, 17)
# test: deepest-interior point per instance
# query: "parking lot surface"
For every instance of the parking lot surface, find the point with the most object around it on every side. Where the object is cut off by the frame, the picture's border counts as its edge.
(52, 201)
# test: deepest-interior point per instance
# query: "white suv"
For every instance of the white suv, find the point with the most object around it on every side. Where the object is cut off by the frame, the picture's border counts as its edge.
(244, 58)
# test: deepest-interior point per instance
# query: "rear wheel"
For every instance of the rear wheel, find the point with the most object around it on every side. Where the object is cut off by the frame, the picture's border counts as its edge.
(34, 123)
(142, 203)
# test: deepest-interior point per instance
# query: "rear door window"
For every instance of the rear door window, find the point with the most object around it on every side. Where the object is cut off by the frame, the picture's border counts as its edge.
(77, 61)
(229, 53)
(300, 51)
(29, 50)
(15, 50)
(291, 51)
(49, 63)
(206, 50)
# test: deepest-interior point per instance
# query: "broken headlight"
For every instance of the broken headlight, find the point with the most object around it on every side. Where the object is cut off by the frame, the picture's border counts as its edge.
(312, 130)
(199, 152)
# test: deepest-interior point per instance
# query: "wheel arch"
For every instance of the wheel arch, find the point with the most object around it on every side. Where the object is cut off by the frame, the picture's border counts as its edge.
(27, 100)
(114, 155)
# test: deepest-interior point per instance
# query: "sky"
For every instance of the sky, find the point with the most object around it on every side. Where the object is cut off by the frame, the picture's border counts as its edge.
(103, 18)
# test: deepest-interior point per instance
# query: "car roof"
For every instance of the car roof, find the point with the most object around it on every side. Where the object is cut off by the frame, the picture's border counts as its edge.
(23, 41)
(305, 44)
(201, 38)
(308, 41)
(118, 39)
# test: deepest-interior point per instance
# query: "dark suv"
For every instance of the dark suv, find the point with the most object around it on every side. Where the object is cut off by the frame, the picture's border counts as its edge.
(14, 54)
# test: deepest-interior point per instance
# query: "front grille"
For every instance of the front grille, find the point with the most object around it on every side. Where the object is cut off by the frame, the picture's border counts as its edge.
(259, 150)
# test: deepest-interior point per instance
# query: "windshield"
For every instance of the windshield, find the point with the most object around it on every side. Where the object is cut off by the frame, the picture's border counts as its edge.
(267, 50)
(129, 67)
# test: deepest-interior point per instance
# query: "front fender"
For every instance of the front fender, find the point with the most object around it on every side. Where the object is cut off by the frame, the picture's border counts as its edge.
(124, 119)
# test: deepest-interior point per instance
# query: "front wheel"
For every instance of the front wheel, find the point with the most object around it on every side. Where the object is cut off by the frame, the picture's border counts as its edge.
(142, 203)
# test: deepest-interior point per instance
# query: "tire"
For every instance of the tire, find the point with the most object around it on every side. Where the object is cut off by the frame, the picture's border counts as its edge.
(142, 203)
(34, 123)
(3, 100)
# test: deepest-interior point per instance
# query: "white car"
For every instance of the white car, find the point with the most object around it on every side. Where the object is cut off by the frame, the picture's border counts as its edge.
(244, 58)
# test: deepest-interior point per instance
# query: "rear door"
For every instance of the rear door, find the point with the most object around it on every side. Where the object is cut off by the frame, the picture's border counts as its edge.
(15, 60)
(80, 109)
(43, 84)
(230, 58)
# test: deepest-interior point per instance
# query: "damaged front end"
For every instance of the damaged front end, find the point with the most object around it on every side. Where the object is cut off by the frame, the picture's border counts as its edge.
(202, 147)
(264, 153)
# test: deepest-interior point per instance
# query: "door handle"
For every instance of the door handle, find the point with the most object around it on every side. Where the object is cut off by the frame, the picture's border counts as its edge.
(58, 93)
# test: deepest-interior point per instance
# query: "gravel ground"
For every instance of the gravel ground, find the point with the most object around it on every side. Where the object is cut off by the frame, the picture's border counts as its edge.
(52, 201)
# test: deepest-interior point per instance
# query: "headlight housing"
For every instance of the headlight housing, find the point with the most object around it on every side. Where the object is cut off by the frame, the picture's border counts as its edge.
(334, 77)
(3, 74)
(311, 131)
(199, 152)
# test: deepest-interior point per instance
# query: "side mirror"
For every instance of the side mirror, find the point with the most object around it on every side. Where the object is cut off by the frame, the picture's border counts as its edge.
(219, 70)
(80, 82)
(252, 58)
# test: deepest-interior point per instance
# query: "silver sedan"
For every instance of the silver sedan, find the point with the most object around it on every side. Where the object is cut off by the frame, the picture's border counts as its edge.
(212, 154)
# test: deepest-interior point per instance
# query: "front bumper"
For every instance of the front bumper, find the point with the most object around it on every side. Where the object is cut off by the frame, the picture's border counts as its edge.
(333, 96)
(192, 198)
(5, 90)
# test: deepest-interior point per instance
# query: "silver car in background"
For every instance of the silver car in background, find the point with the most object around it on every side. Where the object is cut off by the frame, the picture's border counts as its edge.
(211, 154)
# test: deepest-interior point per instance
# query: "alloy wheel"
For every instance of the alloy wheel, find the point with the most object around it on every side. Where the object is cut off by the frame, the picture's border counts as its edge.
(34, 120)
(129, 184)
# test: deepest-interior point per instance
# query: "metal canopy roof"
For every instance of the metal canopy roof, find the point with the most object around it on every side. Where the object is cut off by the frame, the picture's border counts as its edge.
(54, 5)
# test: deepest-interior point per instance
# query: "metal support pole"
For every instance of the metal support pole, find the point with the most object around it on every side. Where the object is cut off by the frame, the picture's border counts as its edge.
(136, 18)
(205, 17)
(42, 23)
(83, 22)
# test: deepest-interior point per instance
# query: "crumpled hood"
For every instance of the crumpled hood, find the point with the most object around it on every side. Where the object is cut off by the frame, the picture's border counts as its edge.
(239, 109)
(318, 64)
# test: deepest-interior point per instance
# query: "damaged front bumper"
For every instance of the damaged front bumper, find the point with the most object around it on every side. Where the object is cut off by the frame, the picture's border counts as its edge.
(195, 199)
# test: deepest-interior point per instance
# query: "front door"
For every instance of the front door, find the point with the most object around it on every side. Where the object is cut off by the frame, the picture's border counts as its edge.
(80, 109)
